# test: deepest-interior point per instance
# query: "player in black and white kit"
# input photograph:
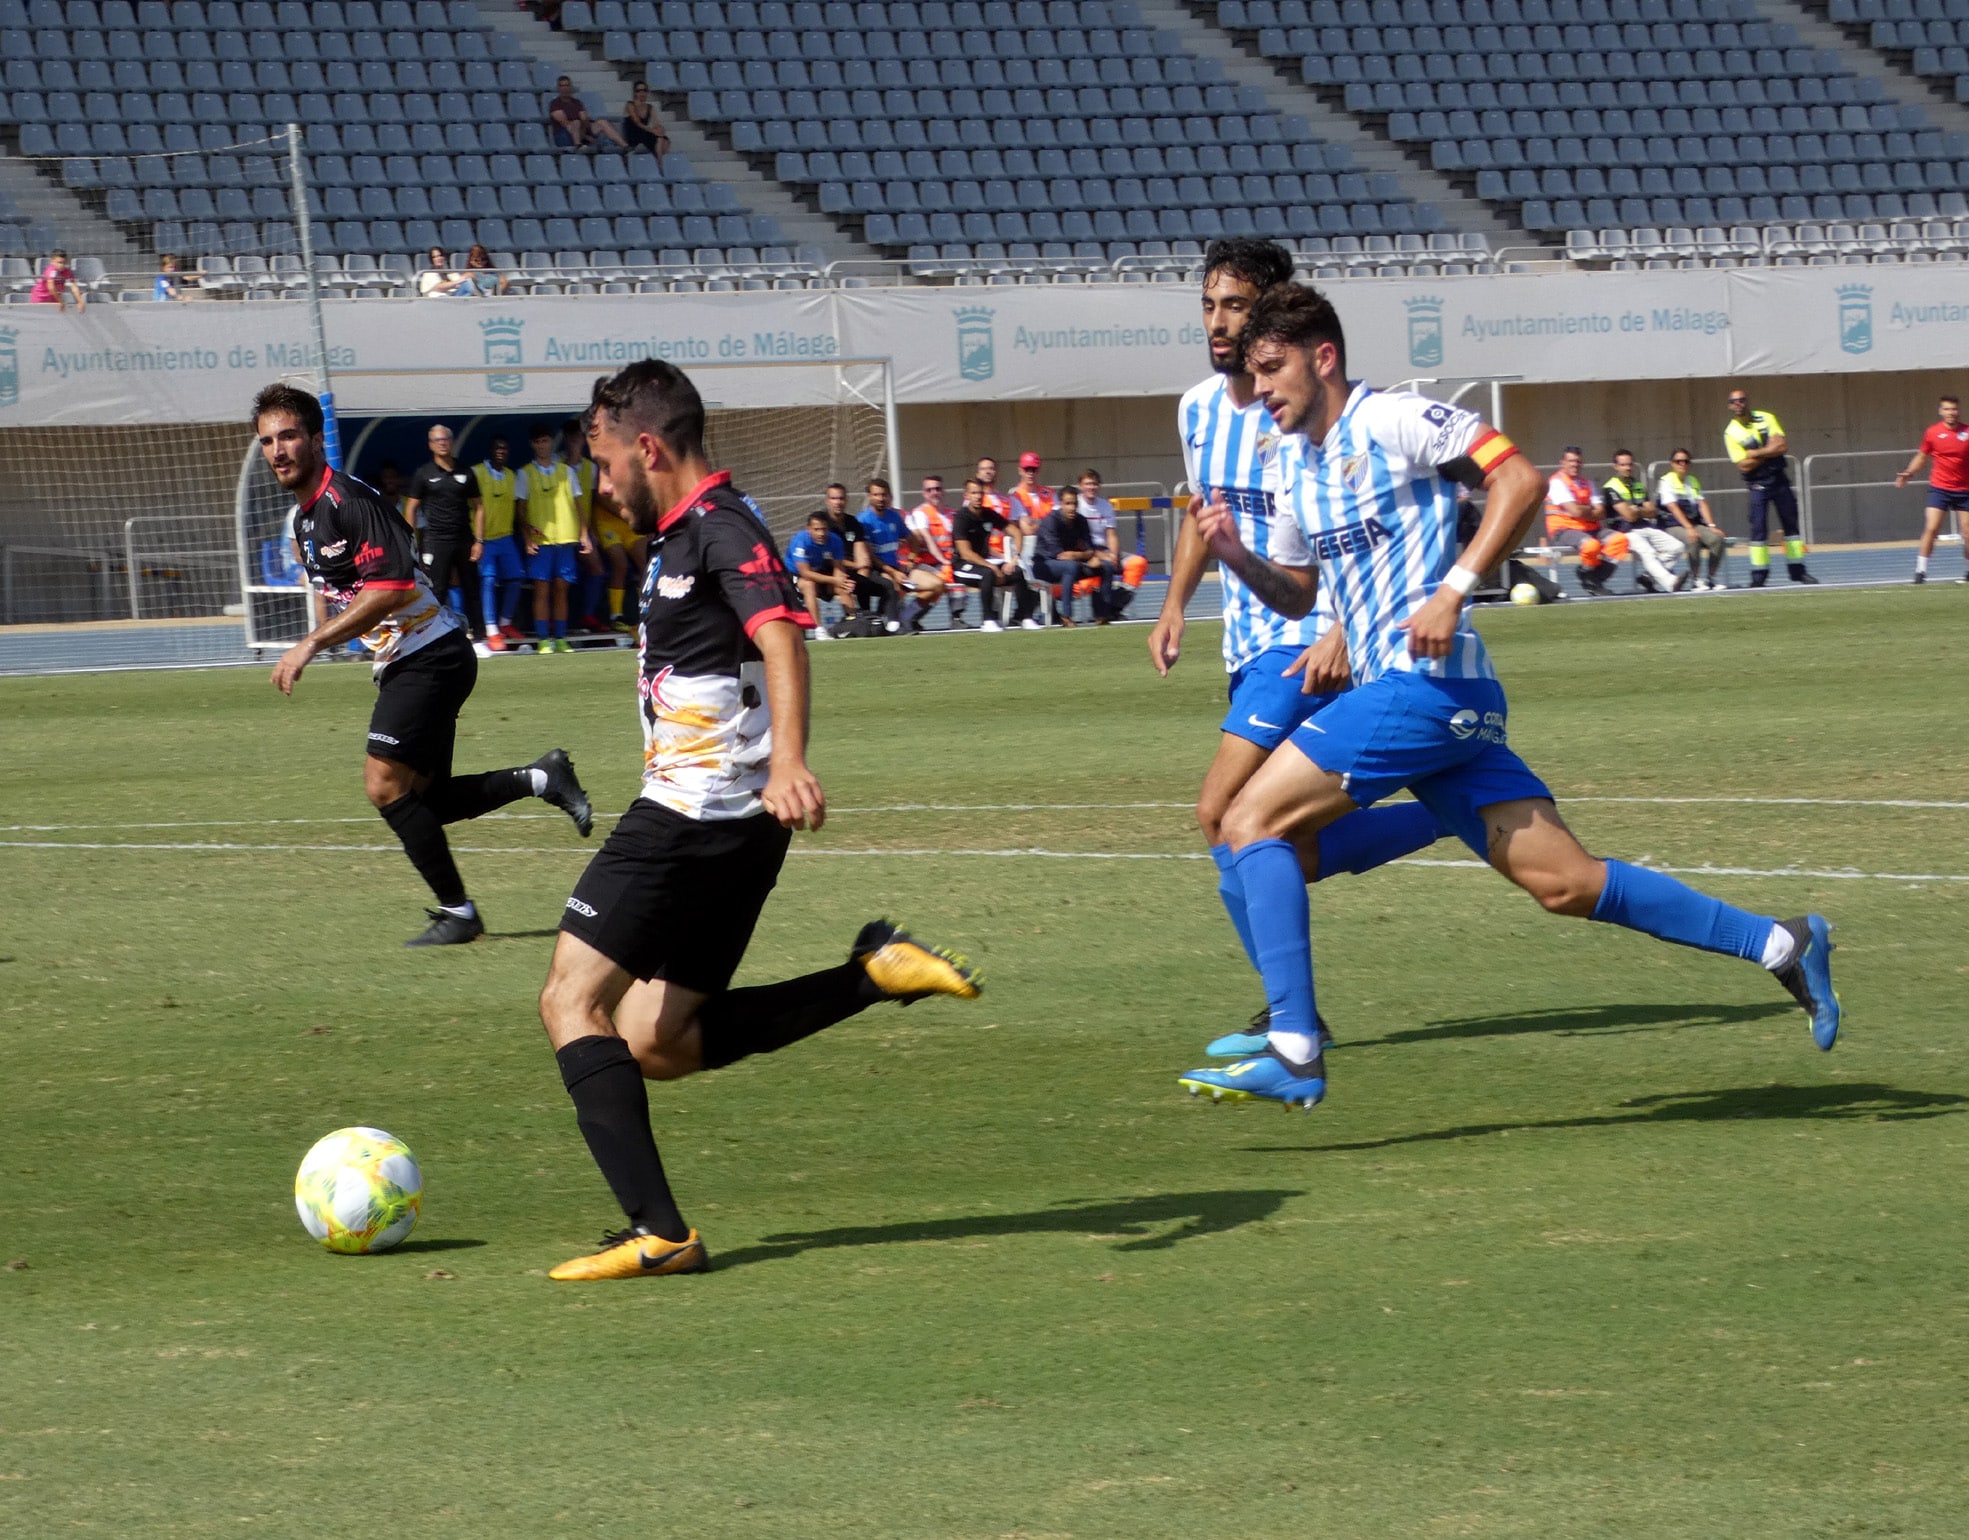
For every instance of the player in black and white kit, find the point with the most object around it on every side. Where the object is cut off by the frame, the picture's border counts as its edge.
(639, 985)
(446, 491)
(357, 551)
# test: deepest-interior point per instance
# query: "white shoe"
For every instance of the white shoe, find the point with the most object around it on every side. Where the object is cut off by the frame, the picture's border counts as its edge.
(822, 634)
(892, 626)
(1029, 624)
(989, 625)
(481, 649)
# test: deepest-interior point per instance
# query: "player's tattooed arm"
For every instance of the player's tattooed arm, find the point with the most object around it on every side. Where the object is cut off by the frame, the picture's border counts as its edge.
(1288, 590)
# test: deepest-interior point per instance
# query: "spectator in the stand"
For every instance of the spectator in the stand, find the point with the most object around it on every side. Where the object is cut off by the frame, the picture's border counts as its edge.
(501, 572)
(1066, 553)
(1756, 442)
(548, 11)
(1946, 446)
(1099, 514)
(971, 533)
(57, 284)
(931, 553)
(1572, 523)
(486, 278)
(569, 126)
(892, 557)
(819, 558)
(1629, 509)
(165, 286)
(641, 126)
(986, 474)
(439, 281)
(880, 534)
(1680, 493)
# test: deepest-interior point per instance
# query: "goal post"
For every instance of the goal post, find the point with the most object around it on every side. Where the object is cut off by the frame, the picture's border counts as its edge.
(832, 420)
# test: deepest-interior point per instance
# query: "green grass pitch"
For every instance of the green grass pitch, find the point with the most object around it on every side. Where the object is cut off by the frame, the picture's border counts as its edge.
(1588, 1240)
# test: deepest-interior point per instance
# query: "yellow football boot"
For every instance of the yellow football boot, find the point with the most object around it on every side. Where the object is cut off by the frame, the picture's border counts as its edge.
(632, 1254)
(906, 969)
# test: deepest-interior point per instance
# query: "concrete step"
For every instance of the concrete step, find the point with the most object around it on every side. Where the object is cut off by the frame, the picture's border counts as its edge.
(79, 230)
(1816, 31)
(1194, 22)
(579, 58)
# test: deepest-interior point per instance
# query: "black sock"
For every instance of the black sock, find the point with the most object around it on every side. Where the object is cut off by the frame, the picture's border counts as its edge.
(612, 1108)
(424, 842)
(472, 796)
(742, 1022)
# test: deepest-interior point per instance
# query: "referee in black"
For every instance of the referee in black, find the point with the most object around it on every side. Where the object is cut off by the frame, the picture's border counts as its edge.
(448, 496)
(640, 984)
(357, 551)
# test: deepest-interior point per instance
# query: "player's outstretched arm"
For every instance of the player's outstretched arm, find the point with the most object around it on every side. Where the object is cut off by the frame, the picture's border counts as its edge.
(1914, 468)
(372, 606)
(1186, 566)
(793, 795)
(1288, 590)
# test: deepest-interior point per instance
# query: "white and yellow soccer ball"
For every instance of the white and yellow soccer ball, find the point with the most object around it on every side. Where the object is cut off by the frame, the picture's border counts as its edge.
(1525, 593)
(359, 1190)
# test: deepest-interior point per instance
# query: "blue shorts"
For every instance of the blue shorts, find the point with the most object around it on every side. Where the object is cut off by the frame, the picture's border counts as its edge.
(499, 559)
(554, 561)
(1947, 501)
(1442, 739)
(1265, 705)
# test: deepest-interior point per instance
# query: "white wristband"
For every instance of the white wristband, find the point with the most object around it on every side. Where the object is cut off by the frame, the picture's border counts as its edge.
(1461, 580)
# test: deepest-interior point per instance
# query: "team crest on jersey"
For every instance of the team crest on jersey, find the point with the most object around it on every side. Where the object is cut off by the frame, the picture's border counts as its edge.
(1267, 448)
(1350, 470)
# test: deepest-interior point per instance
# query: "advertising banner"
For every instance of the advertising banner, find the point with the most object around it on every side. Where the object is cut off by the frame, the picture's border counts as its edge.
(203, 361)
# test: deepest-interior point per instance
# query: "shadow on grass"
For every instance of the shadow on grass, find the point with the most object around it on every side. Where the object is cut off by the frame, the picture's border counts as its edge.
(520, 935)
(1596, 1020)
(1192, 1214)
(1850, 1102)
(459, 1244)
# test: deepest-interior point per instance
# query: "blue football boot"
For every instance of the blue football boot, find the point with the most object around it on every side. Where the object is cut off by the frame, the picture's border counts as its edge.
(1264, 1078)
(1809, 976)
(1256, 1038)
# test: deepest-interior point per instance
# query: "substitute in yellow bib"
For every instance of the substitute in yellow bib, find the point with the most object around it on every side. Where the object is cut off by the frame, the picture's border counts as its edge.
(1756, 442)
(501, 572)
(548, 519)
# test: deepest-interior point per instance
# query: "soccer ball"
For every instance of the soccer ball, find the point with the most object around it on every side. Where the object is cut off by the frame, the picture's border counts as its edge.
(358, 1190)
(1524, 593)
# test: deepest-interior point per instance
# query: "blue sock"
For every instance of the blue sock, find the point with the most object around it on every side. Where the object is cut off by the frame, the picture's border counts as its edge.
(560, 628)
(1231, 891)
(1657, 905)
(488, 600)
(543, 623)
(1374, 836)
(1275, 896)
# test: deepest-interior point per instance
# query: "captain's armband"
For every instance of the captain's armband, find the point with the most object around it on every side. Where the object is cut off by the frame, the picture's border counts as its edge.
(1474, 468)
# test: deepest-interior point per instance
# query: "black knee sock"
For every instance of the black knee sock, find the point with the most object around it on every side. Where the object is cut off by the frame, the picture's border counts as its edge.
(424, 842)
(742, 1022)
(612, 1108)
(472, 796)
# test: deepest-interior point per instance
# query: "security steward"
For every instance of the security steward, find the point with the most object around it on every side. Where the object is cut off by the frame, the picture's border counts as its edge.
(1756, 443)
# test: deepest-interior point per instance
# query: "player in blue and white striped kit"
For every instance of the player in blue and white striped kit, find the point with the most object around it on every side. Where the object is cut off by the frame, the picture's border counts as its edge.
(1365, 484)
(1276, 681)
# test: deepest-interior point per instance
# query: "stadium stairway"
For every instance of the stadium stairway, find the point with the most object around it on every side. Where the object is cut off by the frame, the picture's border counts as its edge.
(51, 216)
(757, 190)
(1195, 21)
(1815, 30)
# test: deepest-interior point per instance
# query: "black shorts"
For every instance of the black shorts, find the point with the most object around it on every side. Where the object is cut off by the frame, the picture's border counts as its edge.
(418, 699)
(675, 898)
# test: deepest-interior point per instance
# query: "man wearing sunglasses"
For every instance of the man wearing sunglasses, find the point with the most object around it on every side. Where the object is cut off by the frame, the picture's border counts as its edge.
(1756, 442)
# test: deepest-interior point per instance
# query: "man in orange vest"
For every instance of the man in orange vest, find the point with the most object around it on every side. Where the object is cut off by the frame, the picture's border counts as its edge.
(1572, 523)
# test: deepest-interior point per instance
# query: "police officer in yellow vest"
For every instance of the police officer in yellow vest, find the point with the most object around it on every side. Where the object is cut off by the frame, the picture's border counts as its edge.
(1756, 442)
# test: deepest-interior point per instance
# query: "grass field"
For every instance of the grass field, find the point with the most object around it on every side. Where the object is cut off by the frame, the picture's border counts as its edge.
(1588, 1240)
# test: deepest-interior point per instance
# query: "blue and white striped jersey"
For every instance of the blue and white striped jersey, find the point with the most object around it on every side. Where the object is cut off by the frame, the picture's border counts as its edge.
(1371, 508)
(1224, 446)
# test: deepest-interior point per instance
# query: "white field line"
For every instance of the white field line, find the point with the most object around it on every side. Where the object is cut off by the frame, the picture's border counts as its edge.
(962, 807)
(1846, 874)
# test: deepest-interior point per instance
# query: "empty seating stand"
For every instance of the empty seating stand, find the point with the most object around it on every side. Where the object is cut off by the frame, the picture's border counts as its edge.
(1926, 37)
(969, 128)
(1602, 113)
(422, 128)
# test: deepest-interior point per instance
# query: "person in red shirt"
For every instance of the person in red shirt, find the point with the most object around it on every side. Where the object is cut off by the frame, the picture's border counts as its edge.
(1946, 444)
